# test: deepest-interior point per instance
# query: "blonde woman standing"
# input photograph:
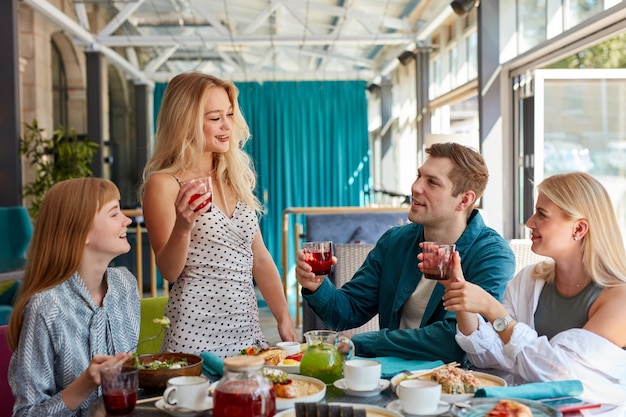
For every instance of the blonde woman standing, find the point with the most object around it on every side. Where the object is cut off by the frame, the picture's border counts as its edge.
(212, 254)
(563, 318)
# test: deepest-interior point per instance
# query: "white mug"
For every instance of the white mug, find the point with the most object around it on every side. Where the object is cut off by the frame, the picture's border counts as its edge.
(418, 396)
(290, 348)
(362, 374)
(187, 391)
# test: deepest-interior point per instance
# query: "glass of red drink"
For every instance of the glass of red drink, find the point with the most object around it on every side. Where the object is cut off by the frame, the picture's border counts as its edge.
(437, 259)
(319, 255)
(205, 191)
(119, 389)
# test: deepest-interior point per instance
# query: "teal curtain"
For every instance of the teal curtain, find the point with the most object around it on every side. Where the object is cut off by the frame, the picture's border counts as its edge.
(310, 147)
(157, 97)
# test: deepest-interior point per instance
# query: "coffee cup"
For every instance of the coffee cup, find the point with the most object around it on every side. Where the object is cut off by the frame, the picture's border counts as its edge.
(418, 396)
(290, 348)
(187, 391)
(362, 374)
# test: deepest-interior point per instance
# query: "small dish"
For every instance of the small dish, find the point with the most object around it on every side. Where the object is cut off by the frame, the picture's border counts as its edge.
(383, 384)
(478, 407)
(176, 412)
(442, 408)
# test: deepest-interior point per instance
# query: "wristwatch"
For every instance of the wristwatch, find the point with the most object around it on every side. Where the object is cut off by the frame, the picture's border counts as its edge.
(500, 324)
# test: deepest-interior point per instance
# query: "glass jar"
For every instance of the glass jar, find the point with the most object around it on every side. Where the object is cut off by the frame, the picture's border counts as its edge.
(244, 391)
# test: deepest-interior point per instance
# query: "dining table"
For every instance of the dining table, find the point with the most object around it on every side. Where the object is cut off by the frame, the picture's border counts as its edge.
(146, 403)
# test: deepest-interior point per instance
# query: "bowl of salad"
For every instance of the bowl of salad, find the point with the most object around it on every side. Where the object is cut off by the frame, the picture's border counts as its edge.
(156, 368)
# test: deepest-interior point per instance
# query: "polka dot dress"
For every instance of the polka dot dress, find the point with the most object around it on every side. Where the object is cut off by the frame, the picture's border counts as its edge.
(212, 305)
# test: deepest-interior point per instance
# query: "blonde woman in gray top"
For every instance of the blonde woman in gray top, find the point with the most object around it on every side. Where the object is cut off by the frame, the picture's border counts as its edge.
(563, 318)
(213, 253)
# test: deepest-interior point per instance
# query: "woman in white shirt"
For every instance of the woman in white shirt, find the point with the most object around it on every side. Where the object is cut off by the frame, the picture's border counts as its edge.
(563, 318)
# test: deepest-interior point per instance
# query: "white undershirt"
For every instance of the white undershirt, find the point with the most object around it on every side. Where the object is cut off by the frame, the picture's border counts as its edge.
(413, 309)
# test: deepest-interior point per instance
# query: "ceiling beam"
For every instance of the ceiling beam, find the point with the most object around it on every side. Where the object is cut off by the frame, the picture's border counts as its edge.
(76, 30)
(120, 18)
(258, 40)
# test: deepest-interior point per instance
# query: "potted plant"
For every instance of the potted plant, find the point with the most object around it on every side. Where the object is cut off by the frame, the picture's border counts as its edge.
(64, 156)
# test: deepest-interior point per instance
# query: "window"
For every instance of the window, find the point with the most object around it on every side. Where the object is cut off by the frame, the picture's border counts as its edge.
(59, 88)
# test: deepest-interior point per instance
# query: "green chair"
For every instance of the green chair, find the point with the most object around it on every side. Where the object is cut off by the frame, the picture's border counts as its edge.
(151, 308)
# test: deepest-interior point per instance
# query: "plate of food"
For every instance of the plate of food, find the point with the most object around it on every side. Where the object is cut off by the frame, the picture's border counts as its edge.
(502, 407)
(357, 410)
(291, 388)
(277, 358)
(456, 384)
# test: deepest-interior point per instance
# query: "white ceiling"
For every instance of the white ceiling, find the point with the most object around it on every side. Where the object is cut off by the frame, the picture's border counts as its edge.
(254, 39)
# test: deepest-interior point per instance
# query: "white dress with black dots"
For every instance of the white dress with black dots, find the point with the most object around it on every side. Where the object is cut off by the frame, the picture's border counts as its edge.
(212, 305)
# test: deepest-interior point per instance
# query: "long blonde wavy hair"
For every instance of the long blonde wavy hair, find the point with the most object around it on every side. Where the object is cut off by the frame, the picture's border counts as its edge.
(580, 196)
(180, 139)
(56, 249)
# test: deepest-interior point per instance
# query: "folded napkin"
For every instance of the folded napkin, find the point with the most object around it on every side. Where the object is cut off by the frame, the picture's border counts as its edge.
(535, 390)
(392, 366)
(212, 365)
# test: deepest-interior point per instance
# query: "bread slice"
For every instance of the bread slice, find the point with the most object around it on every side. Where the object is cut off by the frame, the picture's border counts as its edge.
(272, 356)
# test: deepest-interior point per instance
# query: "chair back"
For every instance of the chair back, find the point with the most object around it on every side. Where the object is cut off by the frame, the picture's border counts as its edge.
(6, 405)
(350, 257)
(523, 255)
(18, 230)
(150, 309)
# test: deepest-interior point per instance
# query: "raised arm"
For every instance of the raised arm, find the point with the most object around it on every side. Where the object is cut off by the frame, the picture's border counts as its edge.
(170, 219)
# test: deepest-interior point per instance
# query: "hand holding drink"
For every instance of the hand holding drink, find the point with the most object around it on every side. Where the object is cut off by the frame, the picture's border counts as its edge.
(205, 190)
(437, 260)
(319, 256)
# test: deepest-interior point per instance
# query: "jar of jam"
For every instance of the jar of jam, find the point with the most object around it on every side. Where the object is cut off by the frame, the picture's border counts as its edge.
(244, 391)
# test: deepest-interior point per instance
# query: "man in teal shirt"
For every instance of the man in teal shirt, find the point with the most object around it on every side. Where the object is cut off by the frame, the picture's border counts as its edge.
(412, 319)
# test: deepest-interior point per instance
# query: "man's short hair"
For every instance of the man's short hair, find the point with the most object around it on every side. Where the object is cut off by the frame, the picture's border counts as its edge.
(469, 171)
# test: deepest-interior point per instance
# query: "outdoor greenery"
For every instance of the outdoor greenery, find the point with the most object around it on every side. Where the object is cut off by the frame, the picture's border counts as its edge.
(608, 54)
(62, 157)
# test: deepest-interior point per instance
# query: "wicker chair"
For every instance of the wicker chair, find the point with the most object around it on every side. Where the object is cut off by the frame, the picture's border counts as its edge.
(349, 258)
(523, 255)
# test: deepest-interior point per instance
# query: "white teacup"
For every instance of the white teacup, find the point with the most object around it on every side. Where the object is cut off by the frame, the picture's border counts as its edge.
(187, 391)
(362, 374)
(418, 396)
(291, 348)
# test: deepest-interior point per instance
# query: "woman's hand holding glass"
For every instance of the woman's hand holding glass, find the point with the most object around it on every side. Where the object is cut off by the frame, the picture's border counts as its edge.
(193, 200)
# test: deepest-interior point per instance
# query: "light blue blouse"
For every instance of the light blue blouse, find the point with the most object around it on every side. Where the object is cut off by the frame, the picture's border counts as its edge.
(62, 330)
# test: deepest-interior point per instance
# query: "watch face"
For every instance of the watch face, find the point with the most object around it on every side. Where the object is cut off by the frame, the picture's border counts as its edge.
(501, 324)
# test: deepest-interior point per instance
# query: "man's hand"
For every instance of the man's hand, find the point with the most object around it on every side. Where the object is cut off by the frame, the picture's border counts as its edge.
(304, 273)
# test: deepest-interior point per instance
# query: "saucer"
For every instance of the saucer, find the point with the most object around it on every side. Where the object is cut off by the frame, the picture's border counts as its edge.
(176, 412)
(382, 385)
(396, 406)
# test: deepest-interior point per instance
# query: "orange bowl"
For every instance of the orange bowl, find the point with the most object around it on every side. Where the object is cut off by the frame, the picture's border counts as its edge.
(156, 379)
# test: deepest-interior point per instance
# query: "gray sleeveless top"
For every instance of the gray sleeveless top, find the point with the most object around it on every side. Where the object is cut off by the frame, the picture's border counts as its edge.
(556, 313)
